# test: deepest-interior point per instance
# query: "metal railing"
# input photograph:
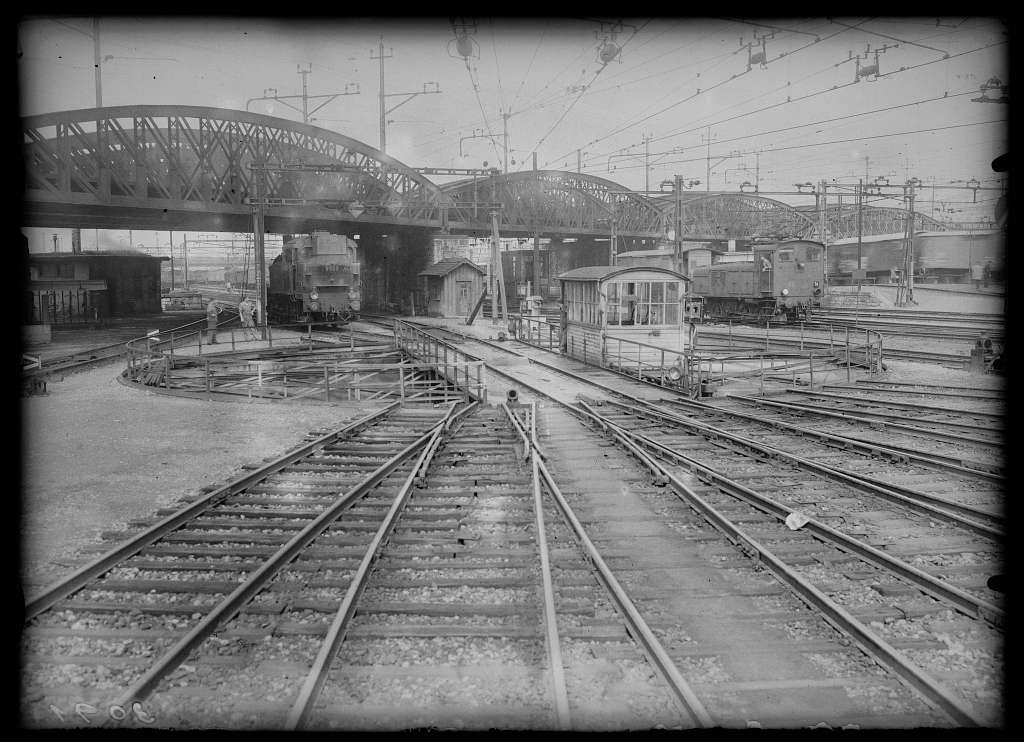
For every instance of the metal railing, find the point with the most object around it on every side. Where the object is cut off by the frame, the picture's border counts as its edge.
(451, 364)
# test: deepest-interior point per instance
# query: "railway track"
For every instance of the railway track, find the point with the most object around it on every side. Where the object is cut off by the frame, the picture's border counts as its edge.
(313, 590)
(133, 616)
(917, 552)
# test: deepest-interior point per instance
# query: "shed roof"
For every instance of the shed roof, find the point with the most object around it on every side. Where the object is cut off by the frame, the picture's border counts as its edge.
(602, 272)
(444, 267)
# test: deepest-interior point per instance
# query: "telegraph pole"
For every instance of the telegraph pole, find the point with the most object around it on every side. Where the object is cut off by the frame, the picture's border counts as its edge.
(860, 217)
(382, 56)
(257, 234)
(707, 177)
(647, 162)
(305, 96)
(505, 117)
(96, 61)
(384, 111)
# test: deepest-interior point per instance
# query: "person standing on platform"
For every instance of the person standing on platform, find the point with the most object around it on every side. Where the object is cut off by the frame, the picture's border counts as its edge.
(987, 273)
(976, 275)
(245, 311)
(211, 322)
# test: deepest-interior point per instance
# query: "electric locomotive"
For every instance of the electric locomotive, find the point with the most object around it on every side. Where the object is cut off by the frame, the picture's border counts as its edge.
(315, 279)
(780, 280)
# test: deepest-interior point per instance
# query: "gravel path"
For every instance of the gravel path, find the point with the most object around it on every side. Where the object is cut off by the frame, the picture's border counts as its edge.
(96, 454)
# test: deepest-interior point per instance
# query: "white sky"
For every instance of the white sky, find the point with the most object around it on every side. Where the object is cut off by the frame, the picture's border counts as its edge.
(537, 68)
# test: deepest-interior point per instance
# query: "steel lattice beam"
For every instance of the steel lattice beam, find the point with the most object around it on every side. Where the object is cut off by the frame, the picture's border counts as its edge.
(153, 166)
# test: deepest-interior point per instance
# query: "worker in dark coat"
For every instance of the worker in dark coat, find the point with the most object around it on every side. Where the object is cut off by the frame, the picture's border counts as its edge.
(211, 321)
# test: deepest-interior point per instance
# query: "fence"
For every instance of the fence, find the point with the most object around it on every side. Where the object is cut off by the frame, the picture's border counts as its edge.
(450, 364)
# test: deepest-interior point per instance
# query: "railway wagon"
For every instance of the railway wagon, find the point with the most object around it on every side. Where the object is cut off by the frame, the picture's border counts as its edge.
(939, 257)
(643, 307)
(948, 256)
(315, 279)
(781, 279)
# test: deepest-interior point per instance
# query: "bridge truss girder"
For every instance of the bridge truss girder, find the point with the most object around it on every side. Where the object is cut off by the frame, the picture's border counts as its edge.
(192, 163)
(842, 222)
(555, 202)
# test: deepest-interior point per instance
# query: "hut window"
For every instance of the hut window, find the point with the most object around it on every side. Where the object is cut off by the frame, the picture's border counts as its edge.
(612, 306)
(785, 255)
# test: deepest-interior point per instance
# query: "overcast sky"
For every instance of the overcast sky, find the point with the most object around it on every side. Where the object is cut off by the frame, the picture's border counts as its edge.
(673, 78)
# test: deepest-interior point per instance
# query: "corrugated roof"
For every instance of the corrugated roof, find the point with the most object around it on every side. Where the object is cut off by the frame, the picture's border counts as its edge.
(601, 272)
(444, 267)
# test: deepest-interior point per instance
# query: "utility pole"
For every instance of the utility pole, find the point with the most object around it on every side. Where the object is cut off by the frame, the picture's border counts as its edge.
(679, 220)
(96, 61)
(860, 215)
(305, 95)
(614, 236)
(757, 171)
(382, 56)
(184, 248)
(171, 237)
(579, 161)
(707, 177)
(647, 161)
(257, 234)
(497, 272)
(384, 111)
(505, 117)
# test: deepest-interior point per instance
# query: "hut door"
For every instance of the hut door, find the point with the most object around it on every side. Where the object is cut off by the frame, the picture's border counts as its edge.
(462, 297)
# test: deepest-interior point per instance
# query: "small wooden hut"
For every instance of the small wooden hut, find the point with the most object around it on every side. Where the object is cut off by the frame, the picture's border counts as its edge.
(624, 316)
(451, 287)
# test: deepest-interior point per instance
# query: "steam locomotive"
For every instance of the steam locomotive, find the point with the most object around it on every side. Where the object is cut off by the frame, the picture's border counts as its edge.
(781, 279)
(315, 279)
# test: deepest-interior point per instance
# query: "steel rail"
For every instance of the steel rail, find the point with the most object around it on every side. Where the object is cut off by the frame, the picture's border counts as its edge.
(901, 453)
(529, 438)
(961, 599)
(871, 644)
(897, 493)
(682, 693)
(78, 579)
(995, 416)
(860, 444)
(931, 505)
(998, 397)
(994, 393)
(875, 646)
(554, 648)
(229, 606)
(301, 710)
(862, 416)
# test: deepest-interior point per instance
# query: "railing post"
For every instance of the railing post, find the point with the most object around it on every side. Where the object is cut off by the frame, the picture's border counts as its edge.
(810, 361)
(847, 354)
(284, 381)
(762, 374)
(767, 329)
(662, 368)
(172, 347)
(604, 351)
(401, 383)
(801, 336)
(639, 349)
(270, 336)
(199, 337)
(327, 384)
(232, 338)
(355, 377)
(207, 375)
(730, 334)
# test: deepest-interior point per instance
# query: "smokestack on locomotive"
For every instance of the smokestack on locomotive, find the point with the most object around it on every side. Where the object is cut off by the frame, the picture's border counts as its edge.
(315, 279)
